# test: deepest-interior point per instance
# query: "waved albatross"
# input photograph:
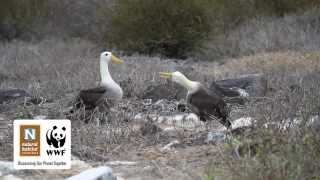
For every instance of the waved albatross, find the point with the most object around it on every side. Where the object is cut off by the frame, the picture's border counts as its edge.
(108, 88)
(203, 102)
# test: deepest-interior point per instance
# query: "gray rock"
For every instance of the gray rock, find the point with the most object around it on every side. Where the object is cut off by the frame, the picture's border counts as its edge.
(6, 167)
(253, 84)
(242, 123)
(314, 123)
(121, 163)
(7, 95)
(215, 137)
(100, 173)
(40, 117)
(169, 146)
(10, 177)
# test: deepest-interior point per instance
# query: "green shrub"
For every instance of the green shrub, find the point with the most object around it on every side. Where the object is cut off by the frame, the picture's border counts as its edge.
(171, 28)
(178, 28)
(272, 155)
(227, 14)
(282, 7)
(20, 15)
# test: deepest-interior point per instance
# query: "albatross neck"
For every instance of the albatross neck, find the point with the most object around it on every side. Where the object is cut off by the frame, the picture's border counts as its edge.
(106, 79)
(188, 84)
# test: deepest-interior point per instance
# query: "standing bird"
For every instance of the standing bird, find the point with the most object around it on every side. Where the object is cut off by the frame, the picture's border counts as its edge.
(203, 102)
(108, 88)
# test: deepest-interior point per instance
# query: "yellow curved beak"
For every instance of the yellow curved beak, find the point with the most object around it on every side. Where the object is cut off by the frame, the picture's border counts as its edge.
(166, 75)
(116, 60)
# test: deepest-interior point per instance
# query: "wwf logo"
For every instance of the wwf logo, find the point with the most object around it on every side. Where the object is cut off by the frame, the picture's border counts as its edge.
(56, 136)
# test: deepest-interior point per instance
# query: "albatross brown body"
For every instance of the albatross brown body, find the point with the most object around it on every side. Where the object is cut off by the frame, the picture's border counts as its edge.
(208, 105)
(91, 98)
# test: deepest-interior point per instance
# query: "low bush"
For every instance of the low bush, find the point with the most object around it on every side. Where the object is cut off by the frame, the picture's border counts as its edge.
(18, 17)
(170, 28)
(282, 7)
(295, 32)
(178, 28)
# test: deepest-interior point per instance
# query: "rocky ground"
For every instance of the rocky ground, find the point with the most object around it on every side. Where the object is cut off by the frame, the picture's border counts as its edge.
(164, 143)
(146, 136)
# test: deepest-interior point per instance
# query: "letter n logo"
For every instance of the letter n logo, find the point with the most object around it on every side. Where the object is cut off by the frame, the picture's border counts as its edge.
(29, 140)
(29, 134)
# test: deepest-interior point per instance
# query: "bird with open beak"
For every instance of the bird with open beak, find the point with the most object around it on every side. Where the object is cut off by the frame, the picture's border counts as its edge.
(206, 104)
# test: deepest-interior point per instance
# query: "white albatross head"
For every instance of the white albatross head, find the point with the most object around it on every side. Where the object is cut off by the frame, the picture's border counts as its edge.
(109, 57)
(181, 79)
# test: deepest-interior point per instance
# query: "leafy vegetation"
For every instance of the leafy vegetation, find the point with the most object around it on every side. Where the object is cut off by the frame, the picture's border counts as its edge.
(18, 17)
(271, 155)
(179, 28)
(170, 28)
(282, 7)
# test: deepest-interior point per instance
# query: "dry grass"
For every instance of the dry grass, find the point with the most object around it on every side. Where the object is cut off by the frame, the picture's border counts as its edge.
(276, 153)
(285, 49)
(289, 62)
(50, 68)
(57, 70)
(53, 68)
(296, 32)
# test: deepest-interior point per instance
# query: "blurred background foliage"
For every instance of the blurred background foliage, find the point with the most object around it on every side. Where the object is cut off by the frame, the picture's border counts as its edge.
(178, 29)
(166, 27)
(18, 18)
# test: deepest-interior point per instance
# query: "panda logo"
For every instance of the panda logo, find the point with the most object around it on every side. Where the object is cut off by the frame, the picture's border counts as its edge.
(56, 136)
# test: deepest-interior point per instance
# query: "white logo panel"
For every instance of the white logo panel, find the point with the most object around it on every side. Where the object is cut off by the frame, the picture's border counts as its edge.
(42, 144)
